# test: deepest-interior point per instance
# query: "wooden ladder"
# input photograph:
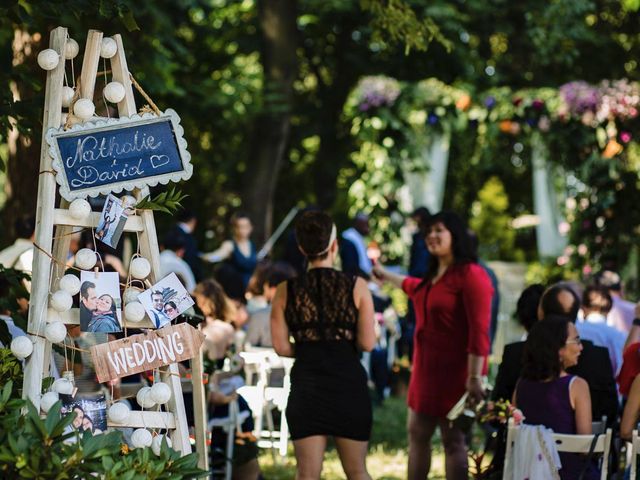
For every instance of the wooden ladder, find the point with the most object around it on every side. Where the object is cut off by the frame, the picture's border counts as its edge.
(48, 217)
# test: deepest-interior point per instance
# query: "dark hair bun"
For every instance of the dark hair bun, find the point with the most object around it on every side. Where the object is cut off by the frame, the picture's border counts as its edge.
(313, 232)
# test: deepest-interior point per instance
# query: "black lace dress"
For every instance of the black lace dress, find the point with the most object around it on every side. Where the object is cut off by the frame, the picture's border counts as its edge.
(329, 394)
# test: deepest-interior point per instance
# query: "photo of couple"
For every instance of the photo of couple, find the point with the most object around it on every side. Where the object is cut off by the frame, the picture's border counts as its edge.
(165, 300)
(112, 220)
(91, 413)
(100, 302)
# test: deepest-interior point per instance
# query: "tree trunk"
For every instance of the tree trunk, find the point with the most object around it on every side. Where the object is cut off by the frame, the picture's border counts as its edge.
(272, 127)
(24, 153)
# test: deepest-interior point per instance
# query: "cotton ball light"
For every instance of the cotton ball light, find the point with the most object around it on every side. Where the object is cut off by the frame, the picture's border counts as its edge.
(70, 283)
(128, 201)
(21, 347)
(130, 295)
(86, 259)
(144, 398)
(84, 108)
(141, 438)
(71, 49)
(108, 48)
(134, 312)
(79, 209)
(63, 386)
(48, 59)
(48, 400)
(160, 393)
(140, 268)
(113, 92)
(55, 332)
(67, 95)
(156, 443)
(61, 301)
(118, 412)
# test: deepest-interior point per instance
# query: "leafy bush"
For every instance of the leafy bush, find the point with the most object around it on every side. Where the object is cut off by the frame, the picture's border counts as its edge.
(47, 448)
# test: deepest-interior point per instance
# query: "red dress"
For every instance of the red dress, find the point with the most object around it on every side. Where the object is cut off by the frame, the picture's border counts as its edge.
(452, 320)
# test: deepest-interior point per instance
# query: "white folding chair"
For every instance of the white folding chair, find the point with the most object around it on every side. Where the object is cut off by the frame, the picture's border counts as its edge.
(635, 451)
(229, 424)
(565, 443)
(277, 398)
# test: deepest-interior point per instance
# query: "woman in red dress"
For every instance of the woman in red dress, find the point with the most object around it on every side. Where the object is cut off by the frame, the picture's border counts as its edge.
(451, 342)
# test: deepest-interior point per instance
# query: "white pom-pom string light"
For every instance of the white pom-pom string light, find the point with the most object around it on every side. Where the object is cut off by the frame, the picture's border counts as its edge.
(141, 438)
(86, 259)
(160, 393)
(119, 412)
(61, 301)
(156, 443)
(48, 59)
(21, 347)
(108, 48)
(134, 312)
(70, 283)
(79, 209)
(48, 400)
(71, 49)
(55, 332)
(139, 268)
(113, 92)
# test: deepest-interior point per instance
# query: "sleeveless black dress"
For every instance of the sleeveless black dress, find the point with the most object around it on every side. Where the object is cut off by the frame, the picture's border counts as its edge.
(329, 394)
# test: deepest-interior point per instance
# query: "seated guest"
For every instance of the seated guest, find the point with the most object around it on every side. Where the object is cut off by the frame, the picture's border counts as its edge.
(622, 311)
(596, 304)
(593, 365)
(259, 325)
(547, 394)
(527, 316)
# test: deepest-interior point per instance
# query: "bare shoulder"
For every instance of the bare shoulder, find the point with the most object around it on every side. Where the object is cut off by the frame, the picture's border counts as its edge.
(579, 385)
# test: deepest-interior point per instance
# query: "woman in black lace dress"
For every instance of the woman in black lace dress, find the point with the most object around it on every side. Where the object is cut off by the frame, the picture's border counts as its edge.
(330, 316)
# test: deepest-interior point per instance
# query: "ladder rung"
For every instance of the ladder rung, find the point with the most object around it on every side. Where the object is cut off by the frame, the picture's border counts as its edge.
(138, 419)
(61, 216)
(72, 317)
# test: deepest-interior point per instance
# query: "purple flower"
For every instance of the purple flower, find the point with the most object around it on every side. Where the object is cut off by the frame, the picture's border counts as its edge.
(537, 104)
(490, 101)
(432, 119)
(580, 97)
(377, 91)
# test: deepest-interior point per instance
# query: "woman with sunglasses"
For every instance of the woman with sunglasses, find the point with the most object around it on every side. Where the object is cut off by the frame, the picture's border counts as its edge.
(548, 395)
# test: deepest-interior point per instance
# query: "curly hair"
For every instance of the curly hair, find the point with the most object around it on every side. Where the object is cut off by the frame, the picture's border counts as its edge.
(216, 303)
(313, 232)
(540, 358)
(461, 242)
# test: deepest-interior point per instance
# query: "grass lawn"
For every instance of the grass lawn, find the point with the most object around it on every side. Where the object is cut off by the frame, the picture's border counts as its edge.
(387, 458)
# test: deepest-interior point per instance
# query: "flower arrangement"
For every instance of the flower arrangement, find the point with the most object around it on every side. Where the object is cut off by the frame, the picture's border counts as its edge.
(499, 413)
(376, 91)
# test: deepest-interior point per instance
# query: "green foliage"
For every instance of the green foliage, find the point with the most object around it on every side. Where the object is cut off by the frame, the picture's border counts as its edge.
(394, 20)
(10, 370)
(33, 447)
(492, 223)
(167, 201)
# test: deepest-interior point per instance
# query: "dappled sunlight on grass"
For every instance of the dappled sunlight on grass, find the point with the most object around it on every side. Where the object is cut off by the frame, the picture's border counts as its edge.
(387, 459)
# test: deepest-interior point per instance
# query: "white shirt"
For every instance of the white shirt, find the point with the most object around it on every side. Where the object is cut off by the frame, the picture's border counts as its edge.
(621, 315)
(172, 263)
(18, 256)
(595, 328)
(364, 262)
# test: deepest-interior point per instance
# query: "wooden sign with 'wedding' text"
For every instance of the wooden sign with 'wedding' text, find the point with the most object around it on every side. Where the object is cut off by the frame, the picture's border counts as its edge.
(146, 351)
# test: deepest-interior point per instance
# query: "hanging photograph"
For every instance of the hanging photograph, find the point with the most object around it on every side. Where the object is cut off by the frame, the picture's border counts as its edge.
(165, 300)
(91, 412)
(100, 303)
(112, 220)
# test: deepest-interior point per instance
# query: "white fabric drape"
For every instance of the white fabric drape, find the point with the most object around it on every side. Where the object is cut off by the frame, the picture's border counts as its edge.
(545, 202)
(426, 187)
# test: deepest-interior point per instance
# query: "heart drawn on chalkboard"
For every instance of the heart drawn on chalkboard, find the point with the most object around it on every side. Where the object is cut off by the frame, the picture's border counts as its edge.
(158, 161)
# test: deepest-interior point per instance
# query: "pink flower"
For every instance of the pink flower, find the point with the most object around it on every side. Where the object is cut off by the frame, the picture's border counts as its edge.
(518, 417)
(625, 137)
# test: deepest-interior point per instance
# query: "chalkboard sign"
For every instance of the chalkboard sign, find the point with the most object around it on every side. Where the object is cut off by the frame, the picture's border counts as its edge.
(112, 155)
